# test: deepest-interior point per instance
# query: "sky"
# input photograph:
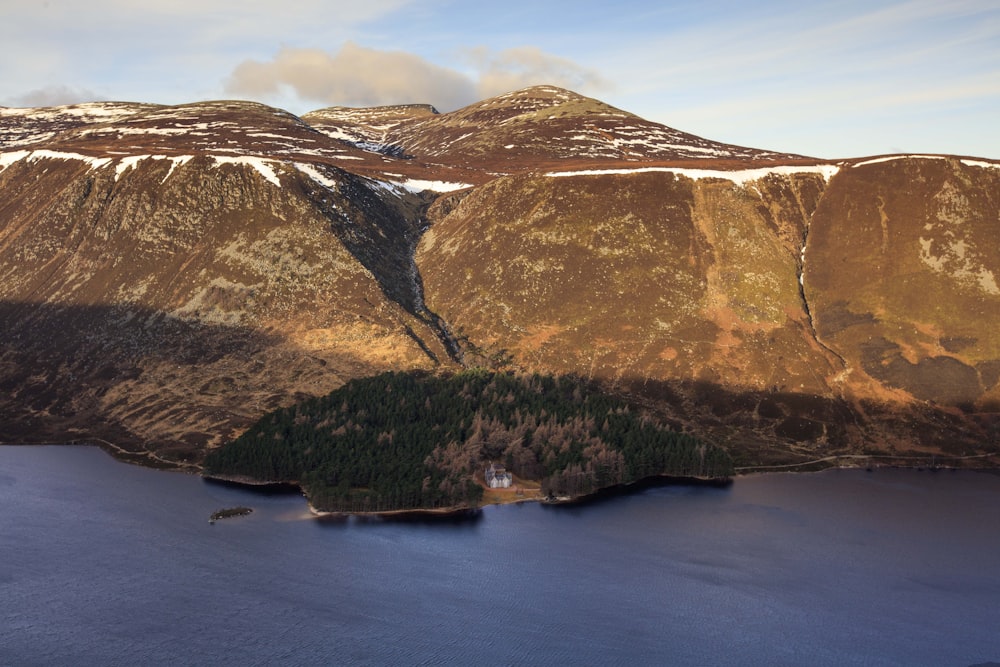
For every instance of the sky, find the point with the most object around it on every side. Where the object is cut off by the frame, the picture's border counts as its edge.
(828, 79)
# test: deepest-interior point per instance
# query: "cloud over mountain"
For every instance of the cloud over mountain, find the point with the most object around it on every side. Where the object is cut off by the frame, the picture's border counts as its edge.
(360, 76)
(354, 76)
(520, 67)
(54, 95)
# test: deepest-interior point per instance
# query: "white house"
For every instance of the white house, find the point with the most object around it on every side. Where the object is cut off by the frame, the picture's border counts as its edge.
(497, 477)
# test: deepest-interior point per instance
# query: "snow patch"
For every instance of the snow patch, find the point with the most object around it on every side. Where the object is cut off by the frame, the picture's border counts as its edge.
(98, 110)
(741, 177)
(319, 152)
(132, 160)
(128, 163)
(94, 162)
(7, 159)
(981, 163)
(264, 167)
(123, 131)
(340, 134)
(271, 135)
(176, 161)
(418, 185)
(315, 174)
(891, 158)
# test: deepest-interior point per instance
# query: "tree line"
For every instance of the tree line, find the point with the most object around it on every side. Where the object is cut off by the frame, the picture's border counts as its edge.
(421, 441)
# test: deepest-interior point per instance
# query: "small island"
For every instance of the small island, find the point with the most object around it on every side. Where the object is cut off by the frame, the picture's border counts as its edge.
(229, 512)
(422, 442)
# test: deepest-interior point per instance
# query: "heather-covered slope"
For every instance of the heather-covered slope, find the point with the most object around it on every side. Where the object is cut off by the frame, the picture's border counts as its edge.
(732, 301)
(169, 274)
(171, 303)
(546, 123)
(524, 130)
(903, 264)
(634, 275)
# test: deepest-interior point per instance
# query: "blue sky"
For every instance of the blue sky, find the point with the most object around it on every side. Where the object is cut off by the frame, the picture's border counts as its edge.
(829, 79)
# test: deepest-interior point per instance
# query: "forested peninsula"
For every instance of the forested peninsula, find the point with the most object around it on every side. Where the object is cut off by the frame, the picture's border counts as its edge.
(421, 441)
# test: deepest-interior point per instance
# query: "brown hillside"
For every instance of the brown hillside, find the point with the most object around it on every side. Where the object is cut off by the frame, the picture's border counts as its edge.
(168, 274)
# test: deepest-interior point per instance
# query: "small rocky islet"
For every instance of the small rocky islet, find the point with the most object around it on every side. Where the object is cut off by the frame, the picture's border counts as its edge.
(229, 512)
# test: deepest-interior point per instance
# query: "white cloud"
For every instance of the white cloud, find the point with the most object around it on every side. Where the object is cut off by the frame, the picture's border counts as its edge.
(354, 76)
(360, 76)
(51, 96)
(520, 67)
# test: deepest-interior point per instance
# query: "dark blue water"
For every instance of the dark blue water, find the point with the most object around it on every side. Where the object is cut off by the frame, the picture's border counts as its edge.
(109, 564)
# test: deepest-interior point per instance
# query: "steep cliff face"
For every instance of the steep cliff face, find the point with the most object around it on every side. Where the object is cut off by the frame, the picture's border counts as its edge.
(168, 274)
(637, 275)
(769, 306)
(170, 303)
(902, 271)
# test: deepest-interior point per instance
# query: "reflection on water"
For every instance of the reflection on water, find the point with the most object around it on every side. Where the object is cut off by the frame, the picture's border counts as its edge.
(105, 563)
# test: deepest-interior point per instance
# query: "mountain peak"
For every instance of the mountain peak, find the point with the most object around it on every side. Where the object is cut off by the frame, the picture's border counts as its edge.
(551, 123)
(552, 94)
(536, 103)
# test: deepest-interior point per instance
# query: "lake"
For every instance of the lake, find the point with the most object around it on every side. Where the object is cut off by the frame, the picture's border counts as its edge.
(103, 563)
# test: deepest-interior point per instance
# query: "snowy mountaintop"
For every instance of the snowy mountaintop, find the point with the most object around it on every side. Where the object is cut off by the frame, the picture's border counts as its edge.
(534, 129)
(30, 125)
(546, 122)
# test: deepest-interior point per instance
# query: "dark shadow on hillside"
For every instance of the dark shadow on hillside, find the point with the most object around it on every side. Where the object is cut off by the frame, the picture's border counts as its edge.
(780, 427)
(127, 331)
(58, 361)
(381, 230)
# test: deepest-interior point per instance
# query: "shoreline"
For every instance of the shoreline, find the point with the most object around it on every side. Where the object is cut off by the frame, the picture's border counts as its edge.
(401, 515)
(913, 461)
(870, 462)
(637, 486)
(144, 458)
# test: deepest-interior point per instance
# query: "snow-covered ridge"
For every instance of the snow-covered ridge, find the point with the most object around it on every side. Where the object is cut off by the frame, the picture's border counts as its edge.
(740, 177)
(7, 159)
(266, 167)
(892, 158)
(88, 111)
(121, 164)
(263, 166)
(981, 163)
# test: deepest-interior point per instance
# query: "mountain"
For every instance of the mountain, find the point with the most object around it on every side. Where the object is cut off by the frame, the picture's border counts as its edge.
(170, 273)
